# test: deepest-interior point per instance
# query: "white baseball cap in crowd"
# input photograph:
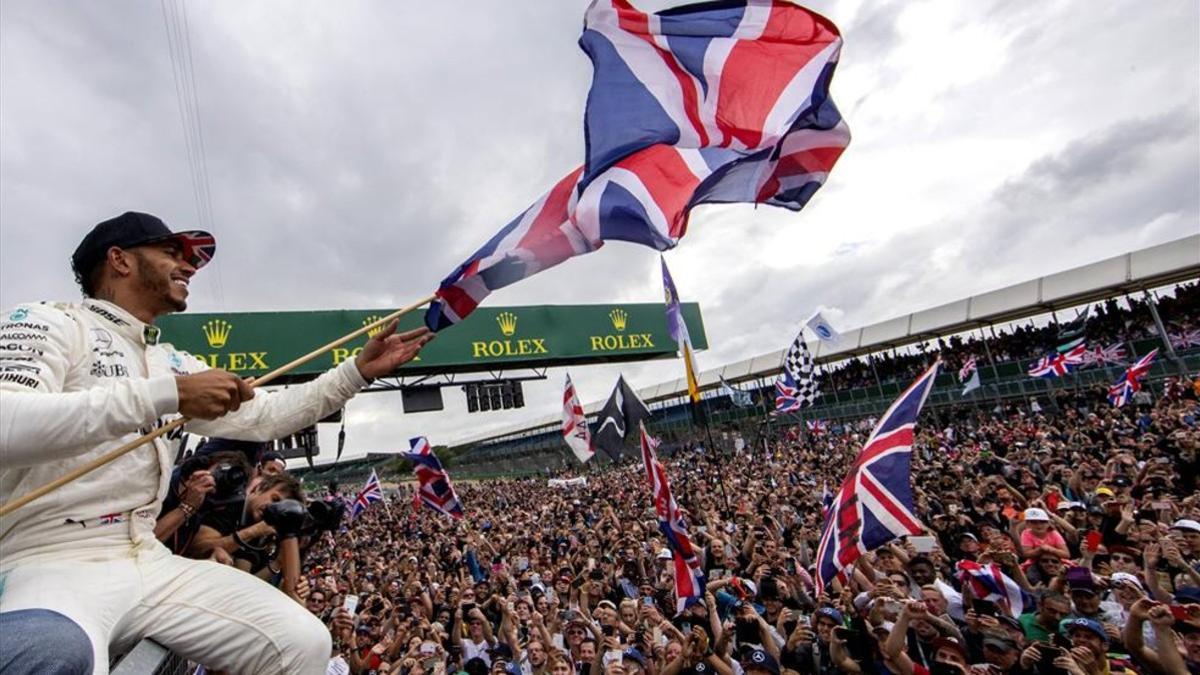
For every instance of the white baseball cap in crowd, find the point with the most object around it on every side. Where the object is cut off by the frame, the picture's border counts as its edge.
(1035, 515)
(1186, 524)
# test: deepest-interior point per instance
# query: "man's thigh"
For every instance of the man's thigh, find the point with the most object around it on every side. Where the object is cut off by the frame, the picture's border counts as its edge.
(225, 619)
(95, 595)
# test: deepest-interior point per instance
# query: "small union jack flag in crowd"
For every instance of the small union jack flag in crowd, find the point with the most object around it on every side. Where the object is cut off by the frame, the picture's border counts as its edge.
(434, 488)
(826, 499)
(1059, 363)
(987, 582)
(574, 425)
(689, 572)
(1100, 356)
(966, 370)
(1185, 339)
(372, 492)
(875, 503)
(1130, 382)
(198, 247)
(816, 427)
(787, 396)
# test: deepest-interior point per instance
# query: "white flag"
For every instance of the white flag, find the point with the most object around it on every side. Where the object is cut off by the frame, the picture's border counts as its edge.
(823, 329)
(575, 428)
(971, 384)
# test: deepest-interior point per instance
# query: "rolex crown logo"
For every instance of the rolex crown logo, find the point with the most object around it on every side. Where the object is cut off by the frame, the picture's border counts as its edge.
(217, 332)
(508, 323)
(370, 320)
(618, 317)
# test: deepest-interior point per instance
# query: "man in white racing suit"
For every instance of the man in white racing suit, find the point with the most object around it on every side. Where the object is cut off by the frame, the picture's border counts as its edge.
(76, 381)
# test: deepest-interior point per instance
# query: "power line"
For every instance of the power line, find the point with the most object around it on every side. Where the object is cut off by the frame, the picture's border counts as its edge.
(183, 72)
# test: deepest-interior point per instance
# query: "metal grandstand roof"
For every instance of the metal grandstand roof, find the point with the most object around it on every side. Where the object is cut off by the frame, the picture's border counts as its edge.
(1145, 268)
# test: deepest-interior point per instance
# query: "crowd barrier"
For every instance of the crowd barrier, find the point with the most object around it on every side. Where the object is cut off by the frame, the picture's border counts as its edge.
(150, 658)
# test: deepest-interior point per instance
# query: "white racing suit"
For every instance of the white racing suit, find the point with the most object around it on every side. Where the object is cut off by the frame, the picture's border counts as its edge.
(77, 381)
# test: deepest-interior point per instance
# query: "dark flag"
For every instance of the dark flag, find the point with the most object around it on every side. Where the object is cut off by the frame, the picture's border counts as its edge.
(1073, 333)
(623, 411)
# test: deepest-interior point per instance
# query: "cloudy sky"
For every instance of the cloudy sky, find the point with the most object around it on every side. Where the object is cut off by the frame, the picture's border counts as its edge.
(357, 151)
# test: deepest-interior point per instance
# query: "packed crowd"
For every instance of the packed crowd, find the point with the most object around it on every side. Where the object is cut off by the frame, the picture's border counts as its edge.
(1091, 510)
(1109, 322)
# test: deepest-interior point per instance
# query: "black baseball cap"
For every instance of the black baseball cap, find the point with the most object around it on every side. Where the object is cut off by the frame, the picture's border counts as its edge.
(132, 229)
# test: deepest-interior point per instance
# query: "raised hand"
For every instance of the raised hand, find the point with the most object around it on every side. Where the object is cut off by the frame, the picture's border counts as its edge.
(387, 351)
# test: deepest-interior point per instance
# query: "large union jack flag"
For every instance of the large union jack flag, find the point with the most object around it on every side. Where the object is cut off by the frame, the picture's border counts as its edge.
(372, 492)
(1059, 363)
(875, 503)
(1131, 380)
(717, 102)
(689, 571)
(433, 483)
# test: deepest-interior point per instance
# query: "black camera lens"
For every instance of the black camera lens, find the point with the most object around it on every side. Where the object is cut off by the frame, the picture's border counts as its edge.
(229, 483)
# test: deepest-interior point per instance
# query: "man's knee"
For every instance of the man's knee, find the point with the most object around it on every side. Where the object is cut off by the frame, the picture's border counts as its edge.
(42, 641)
(307, 644)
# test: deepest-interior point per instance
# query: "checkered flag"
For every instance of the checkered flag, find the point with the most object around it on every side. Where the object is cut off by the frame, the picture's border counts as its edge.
(800, 366)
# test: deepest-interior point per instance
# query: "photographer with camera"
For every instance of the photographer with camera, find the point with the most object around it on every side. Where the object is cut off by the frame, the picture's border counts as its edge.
(254, 529)
(203, 481)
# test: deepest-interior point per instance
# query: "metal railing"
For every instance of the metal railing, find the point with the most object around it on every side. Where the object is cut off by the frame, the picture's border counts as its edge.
(150, 658)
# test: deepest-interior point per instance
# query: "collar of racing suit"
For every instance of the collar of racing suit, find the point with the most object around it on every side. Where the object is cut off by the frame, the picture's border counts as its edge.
(123, 322)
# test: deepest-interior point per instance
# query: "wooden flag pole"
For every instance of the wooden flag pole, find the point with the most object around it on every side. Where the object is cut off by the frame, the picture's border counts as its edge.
(175, 424)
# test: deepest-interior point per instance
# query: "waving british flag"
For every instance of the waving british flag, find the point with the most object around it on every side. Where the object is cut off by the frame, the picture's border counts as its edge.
(875, 503)
(787, 395)
(987, 582)
(371, 493)
(689, 571)
(1184, 339)
(1131, 380)
(715, 102)
(574, 425)
(433, 483)
(1100, 356)
(1059, 363)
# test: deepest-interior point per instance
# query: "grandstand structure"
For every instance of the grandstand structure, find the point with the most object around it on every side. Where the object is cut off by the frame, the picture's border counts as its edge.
(537, 446)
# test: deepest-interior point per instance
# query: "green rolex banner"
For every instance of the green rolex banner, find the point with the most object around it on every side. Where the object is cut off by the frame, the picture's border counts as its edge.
(253, 343)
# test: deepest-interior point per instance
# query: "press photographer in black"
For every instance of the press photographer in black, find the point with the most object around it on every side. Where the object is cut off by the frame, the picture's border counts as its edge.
(253, 524)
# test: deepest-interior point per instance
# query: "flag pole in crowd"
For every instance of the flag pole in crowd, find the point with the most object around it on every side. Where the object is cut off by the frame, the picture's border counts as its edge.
(124, 449)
